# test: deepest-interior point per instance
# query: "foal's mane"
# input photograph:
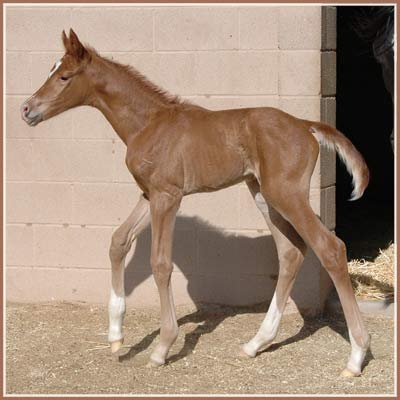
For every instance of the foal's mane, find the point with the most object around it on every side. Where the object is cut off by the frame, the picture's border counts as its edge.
(145, 84)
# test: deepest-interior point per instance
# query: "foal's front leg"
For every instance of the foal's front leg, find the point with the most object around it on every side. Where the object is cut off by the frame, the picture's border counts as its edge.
(163, 208)
(121, 242)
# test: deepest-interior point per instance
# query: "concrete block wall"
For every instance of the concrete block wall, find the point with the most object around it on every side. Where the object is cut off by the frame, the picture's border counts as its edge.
(67, 185)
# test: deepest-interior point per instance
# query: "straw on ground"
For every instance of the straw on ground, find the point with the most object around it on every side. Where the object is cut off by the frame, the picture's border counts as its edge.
(374, 279)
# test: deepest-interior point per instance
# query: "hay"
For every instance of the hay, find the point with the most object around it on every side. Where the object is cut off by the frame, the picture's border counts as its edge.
(374, 279)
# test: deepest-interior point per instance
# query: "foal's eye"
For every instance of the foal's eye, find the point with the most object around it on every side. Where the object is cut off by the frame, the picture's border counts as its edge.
(64, 78)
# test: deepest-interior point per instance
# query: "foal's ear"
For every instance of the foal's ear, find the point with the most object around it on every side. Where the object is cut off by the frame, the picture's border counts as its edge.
(74, 47)
(65, 40)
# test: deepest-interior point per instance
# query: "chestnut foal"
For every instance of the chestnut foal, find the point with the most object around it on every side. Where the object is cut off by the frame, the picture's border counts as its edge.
(175, 148)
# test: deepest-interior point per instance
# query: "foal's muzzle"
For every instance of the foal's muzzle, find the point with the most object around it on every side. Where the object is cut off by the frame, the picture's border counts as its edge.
(31, 116)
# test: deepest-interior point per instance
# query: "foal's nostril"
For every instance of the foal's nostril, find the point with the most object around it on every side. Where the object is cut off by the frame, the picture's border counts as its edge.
(25, 110)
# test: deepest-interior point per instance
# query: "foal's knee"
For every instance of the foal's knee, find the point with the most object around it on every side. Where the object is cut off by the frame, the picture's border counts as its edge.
(118, 248)
(162, 270)
(334, 256)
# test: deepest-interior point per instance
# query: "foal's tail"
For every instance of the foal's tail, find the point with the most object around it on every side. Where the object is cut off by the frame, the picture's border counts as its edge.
(352, 159)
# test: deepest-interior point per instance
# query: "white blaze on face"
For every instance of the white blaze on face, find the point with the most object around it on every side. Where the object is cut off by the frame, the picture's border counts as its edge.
(55, 68)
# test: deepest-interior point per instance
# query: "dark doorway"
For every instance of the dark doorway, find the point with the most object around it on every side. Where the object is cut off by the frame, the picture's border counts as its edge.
(365, 116)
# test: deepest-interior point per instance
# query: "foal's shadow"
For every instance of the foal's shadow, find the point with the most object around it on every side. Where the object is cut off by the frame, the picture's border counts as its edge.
(210, 280)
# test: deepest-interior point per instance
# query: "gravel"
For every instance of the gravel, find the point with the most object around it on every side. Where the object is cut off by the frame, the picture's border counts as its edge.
(61, 348)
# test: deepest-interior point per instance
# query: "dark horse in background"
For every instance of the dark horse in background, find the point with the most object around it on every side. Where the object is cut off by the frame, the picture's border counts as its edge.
(375, 25)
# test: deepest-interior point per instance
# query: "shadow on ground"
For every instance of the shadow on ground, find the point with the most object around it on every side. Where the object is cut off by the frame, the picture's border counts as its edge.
(207, 320)
(234, 253)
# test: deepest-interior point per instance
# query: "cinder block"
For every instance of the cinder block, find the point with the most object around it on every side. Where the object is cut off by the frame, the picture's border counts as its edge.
(184, 253)
(236, 252)
(83, 247)
(328, 207)
(79, 284)
(300, 28)
(18, 73)
(230, 102)
(78, 161)
(328, 110)
(208, 73)
(195, 28)
(174, 72)
(132, 27)
(328, 167)
(88, 285)
(316, 176)
(89, 123)
(254, 73)
(306, 290)
(259, 27)
(250, 216)
(36, 28)
(144, 293)
(39, 203)
(42, 64)
(231, 289)
(299, 73)
(19, 239)
(220, 209)
(103, 204)
(120, 170)
(92, 161)
(236, 265)
(55, 128)
(183, 288)
(53, 160)
(325, 287)
(328, 28)
(315, 201)
(301, 107)
(19, 159)
(58, 284)
(328, 73)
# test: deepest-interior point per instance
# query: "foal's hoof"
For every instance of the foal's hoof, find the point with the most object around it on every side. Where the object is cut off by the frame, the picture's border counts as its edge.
(116, 346)
(154, 363)
(245, 352)
(346, 373)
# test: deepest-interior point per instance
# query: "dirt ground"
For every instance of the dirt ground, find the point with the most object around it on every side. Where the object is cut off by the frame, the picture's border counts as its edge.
(60, 348)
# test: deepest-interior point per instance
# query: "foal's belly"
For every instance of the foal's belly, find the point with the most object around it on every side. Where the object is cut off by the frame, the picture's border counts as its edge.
(213, 168)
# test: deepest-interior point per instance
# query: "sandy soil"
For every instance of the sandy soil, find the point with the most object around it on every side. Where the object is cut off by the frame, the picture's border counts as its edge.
(60, 348)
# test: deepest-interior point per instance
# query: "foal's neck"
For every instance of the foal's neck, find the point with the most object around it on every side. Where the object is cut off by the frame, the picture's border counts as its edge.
(125, 97)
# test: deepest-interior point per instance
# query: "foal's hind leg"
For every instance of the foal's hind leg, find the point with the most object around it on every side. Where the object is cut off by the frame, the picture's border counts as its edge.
(331, 251)
(291, 251)
(121, 243)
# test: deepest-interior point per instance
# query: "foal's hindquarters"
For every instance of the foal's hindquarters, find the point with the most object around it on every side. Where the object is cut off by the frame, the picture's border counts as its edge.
(280, 186)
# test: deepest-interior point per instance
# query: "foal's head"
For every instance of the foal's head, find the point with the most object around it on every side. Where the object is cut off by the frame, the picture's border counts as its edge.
(67, 85)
